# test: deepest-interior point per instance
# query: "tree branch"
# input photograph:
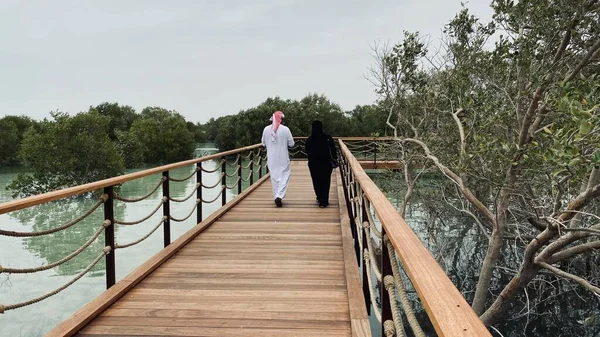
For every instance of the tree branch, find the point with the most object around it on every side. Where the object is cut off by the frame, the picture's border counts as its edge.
(489, 216)
(587, 285)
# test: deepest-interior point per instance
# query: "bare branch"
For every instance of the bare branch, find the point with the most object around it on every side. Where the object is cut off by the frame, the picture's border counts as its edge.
(587, 285)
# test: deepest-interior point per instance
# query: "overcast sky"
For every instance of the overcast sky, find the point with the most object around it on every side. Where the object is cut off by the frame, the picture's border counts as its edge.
(202, 58)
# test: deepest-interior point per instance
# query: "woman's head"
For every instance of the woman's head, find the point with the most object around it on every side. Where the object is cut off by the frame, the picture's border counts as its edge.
(317, 127)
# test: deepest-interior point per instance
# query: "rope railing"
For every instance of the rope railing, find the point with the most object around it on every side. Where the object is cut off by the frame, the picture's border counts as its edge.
(399, 286)
(247, 178)
(400, 249)
(215, 199)
(64, 260)
(237, 181)
(218, 168)
(121, 246)
(4, 308)
(188, 216)
(136, 222)
(184, 179)
(216, 184)
(144, 197)
(101, 201)
(367, 264)
(233, 174)
(189, 195)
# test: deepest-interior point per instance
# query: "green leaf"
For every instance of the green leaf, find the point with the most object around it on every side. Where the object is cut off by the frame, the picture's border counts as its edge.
(585, 127)
(596, 157)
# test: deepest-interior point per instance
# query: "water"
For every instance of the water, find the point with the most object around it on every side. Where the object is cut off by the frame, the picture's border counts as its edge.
(38, 319)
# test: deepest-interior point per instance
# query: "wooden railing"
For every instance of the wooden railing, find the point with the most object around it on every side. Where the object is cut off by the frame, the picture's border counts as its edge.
(108, 189)
(382, 253)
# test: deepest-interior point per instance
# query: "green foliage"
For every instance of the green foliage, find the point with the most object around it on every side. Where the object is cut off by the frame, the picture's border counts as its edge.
(121, 117)
(12, 131)
(162, 135)
(67, 151)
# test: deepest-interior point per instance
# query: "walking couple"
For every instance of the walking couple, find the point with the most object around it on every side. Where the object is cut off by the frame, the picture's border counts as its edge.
(321, 152)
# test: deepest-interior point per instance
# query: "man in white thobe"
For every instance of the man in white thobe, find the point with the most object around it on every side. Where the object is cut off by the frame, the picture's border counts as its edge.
(277, 138)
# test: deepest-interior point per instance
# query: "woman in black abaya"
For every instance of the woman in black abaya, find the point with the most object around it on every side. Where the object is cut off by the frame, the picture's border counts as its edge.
(322, 158)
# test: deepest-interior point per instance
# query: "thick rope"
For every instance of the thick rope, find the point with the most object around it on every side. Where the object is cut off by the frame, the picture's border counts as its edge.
(376, 309)
(123, 199)
(215, 185)
(246, 166)
(248, 178)
(372, 251)
(406, 305)
(372, 220)
(4, 308)
(118, 246)
(234, 173)
(102, 200)
(215, 199)
(396, 316)
(215, 170)
(388, 328)
(188, 216)
(234, 185)
(179, 180)
(130, 223)
(189, 196)
(105, 224)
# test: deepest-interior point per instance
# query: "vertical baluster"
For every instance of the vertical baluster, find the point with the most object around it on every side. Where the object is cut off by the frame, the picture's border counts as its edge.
(224, 181)
(109, 236)
(386, 269)
(375, 157)
(199, 192)
(252, 168)
(365, 274)
(166, 209)
(260, 163)
(239, 166)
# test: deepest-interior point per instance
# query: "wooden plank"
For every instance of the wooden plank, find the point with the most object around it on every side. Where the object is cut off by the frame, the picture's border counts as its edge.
(18, 204)
(213, 332)
(220, 322)
(83, 316)
(447, 309)
(356, 301)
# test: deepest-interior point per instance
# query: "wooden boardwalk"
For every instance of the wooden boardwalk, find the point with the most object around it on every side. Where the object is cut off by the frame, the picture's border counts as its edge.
(256, 271)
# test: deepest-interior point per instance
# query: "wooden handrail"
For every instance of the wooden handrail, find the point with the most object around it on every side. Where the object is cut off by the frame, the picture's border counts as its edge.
(350, 139)
(19, 204)
(447, 309)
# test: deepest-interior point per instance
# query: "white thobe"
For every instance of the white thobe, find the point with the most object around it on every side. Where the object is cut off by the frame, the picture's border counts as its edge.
(278, 158)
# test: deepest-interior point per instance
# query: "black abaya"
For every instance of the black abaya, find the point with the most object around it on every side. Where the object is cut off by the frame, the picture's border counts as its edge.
(320, 149)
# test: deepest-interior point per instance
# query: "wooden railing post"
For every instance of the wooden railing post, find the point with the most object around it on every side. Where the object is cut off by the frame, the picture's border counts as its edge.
(239, 167)
(109, 236)
(224, 181)
(166, 209)
(199, 192)
(252, 168)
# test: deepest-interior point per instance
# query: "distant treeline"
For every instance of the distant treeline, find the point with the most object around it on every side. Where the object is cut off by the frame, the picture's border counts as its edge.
(244, 128)
(67, 150)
